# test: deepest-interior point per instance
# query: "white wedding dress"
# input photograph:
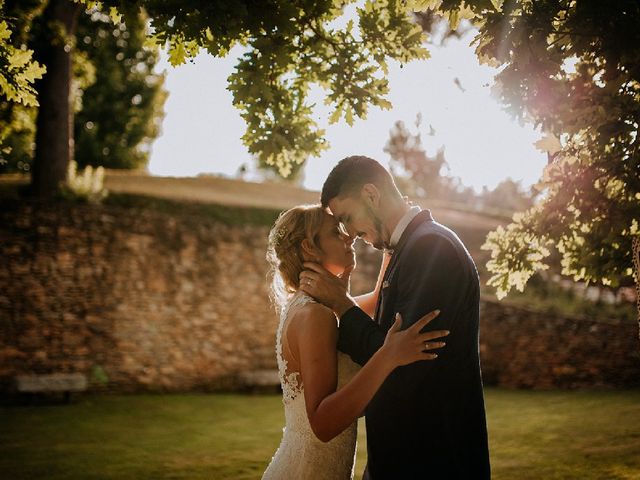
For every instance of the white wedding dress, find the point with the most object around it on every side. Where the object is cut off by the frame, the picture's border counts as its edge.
(301, 455)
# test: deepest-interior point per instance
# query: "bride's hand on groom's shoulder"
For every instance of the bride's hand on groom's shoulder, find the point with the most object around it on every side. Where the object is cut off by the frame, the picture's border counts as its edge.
(327, 288)
(407, 346)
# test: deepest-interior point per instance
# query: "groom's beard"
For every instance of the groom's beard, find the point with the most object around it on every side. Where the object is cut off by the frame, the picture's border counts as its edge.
(380, 243)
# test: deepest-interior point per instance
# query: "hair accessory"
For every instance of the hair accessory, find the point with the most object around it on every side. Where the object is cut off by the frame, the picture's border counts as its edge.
(280, 233)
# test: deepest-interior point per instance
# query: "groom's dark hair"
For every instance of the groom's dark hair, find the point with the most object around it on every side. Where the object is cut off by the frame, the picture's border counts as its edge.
(351, 173)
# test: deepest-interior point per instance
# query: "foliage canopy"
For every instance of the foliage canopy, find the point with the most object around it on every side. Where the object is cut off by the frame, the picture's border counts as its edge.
(288, 47)
(18, 69)
(571, 67)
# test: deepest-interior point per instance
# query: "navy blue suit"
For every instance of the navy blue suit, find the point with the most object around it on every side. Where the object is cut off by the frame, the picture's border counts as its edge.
(428, 419)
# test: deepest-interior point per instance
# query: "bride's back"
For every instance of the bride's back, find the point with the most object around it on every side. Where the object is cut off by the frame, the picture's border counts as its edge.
(301, 454)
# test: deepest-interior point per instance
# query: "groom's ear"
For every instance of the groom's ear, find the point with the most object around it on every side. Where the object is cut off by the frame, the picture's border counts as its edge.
(370, 194)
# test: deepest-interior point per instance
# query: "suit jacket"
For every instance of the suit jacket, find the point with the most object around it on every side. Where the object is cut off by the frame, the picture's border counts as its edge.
(428, 419)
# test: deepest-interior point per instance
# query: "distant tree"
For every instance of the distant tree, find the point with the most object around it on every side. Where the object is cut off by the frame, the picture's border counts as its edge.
(256, 171)
(420, 174)
(122, 111)
(508, 195)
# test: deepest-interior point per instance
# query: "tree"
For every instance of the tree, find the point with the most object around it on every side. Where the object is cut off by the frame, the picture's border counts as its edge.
(440, 28)
(507, 195)
(17, 131)
(54, 122)
(18, 73)
(117, 100)
(420, 174)
(122, 110)
(573, 69)
(290, 45)
(570, 67)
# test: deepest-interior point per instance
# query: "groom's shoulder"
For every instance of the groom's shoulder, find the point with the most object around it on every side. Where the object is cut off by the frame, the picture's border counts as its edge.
(433, 241)
(433, 234)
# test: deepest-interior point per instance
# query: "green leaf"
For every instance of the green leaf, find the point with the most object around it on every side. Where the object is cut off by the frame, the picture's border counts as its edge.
(349, 116)
(177, 53)
(114, 15)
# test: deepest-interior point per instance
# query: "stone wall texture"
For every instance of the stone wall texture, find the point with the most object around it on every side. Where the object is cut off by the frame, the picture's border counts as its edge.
(522, 348)
(142, 300)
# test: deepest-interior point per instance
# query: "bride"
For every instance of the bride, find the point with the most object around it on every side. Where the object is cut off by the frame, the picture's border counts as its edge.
(323, 391)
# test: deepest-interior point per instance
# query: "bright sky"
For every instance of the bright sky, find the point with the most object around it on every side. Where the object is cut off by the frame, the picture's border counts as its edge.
(483, 145)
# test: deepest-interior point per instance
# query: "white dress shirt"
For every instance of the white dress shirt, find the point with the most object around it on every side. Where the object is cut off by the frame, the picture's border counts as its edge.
(402, 225)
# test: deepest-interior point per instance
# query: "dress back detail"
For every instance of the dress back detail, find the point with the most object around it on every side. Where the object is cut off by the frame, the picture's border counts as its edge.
(301, 454)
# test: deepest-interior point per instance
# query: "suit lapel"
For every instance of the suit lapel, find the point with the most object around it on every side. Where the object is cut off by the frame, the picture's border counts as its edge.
(419, 219)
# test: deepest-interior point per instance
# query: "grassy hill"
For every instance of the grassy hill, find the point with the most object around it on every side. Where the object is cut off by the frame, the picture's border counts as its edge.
(272, 195)
(139, 189)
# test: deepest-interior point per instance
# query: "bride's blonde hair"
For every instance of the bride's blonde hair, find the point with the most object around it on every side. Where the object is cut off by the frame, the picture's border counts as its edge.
(284, 250)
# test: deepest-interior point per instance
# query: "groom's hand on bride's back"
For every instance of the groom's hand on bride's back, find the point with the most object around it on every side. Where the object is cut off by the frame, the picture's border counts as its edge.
(327, 288)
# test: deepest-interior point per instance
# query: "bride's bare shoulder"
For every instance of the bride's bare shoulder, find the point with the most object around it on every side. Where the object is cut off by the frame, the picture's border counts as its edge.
(313, 316)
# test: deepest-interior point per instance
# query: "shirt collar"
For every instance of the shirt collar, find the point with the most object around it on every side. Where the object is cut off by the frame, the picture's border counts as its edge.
(402, 225)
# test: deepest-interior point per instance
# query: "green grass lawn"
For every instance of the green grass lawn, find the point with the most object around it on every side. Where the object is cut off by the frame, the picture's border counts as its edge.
(533, 435)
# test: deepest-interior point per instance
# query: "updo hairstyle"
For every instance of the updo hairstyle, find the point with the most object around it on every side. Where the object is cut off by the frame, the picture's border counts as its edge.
(284, 251)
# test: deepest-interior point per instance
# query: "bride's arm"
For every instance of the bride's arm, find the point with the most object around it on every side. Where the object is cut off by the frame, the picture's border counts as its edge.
(367, 301)
(314, 334)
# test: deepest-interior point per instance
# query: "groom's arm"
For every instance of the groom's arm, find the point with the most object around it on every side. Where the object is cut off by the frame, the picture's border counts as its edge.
(434, 276)
(359, 336)
(431, 277)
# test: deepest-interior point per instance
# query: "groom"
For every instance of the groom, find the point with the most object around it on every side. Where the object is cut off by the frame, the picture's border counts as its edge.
(428, 418)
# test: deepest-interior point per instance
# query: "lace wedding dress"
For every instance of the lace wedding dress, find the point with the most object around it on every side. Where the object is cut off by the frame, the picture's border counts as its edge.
(301, 455)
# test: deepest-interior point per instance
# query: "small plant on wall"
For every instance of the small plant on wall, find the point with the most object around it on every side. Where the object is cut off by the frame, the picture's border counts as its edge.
(86, 185)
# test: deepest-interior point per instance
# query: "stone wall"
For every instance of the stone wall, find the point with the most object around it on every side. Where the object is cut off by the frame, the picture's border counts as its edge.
(522, 348)
(145, 300)
(156, 301)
